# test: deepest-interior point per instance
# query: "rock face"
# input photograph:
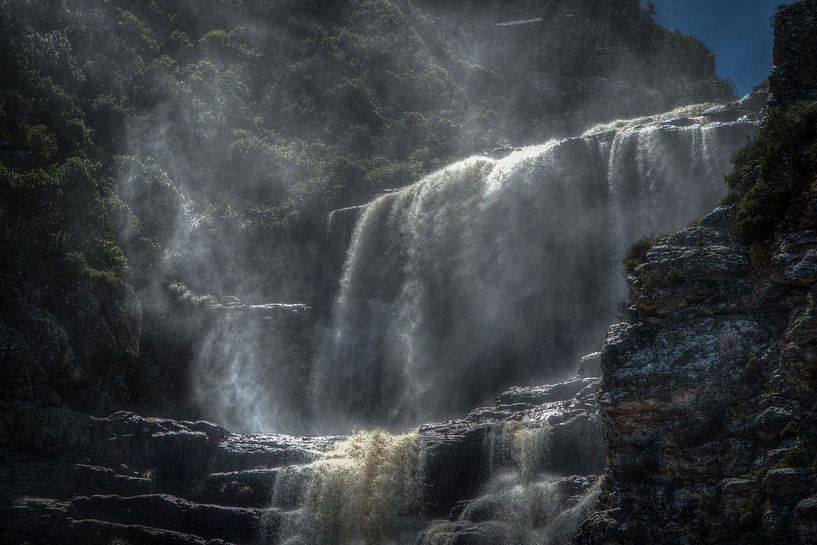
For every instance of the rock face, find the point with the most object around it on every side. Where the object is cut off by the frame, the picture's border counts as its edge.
(708, 394)
(793, 76)
(70, 346)
(66, 477)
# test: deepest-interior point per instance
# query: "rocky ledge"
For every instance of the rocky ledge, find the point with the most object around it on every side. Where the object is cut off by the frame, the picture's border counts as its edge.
(67, 477)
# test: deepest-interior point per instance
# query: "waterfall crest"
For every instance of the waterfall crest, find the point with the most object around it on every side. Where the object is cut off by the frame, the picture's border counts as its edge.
(497, 272)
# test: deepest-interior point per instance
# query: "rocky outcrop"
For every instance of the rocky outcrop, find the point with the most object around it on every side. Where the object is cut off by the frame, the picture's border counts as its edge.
(707, 394)
(794, 74)
(708, 391)
(67, 477)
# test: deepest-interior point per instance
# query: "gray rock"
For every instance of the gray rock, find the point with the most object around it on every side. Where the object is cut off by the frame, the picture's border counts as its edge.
(787, 486)
(590, 365)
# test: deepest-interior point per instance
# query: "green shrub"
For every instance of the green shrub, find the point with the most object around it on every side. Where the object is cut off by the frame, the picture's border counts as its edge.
(773, 169)
(638, 253)
(137, 32)
(662, 279)
(750, 512)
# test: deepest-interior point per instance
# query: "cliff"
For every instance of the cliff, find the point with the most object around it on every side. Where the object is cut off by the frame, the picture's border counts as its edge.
(708, 390)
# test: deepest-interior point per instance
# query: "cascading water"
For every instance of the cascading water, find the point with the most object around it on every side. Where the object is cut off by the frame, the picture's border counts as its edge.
(497, 272)
(521, 503)
(366, 489)
(373, 489)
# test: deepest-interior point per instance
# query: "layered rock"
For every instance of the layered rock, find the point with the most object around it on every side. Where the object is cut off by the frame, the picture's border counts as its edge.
(66, 477)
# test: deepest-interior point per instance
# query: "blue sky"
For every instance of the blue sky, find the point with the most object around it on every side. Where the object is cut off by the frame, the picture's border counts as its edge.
(738, 31)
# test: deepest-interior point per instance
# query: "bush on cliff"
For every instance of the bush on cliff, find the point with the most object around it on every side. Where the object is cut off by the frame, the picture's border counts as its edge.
(774, 169)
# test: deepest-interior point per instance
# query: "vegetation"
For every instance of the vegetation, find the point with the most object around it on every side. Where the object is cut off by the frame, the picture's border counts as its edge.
(749, 512)
(637, 253)
(774, 170)
(797, 457)
(59, 224)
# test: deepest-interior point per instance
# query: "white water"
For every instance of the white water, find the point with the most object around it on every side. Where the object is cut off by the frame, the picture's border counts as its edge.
(362, 491)
(497, 272)
(370, 490)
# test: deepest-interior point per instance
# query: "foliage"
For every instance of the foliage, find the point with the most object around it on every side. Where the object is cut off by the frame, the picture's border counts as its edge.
(58, 223)
(750, 511)
(774, 169)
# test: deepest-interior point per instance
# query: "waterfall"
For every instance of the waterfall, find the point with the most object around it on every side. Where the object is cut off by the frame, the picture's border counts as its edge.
(250, 366)
(497, 272)
(371, 488)
(363, 490)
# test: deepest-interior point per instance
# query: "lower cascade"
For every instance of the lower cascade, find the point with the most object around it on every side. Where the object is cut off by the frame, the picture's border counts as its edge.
(498, 476)
(504, 271)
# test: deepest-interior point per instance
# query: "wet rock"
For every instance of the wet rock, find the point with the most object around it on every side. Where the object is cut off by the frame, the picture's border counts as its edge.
(468, 533)
(170, 513)
(537, 395)
(248, 488)
(590, 365)
(45, 521)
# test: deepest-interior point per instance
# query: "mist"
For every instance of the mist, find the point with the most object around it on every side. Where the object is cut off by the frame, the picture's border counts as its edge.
(250, 135)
